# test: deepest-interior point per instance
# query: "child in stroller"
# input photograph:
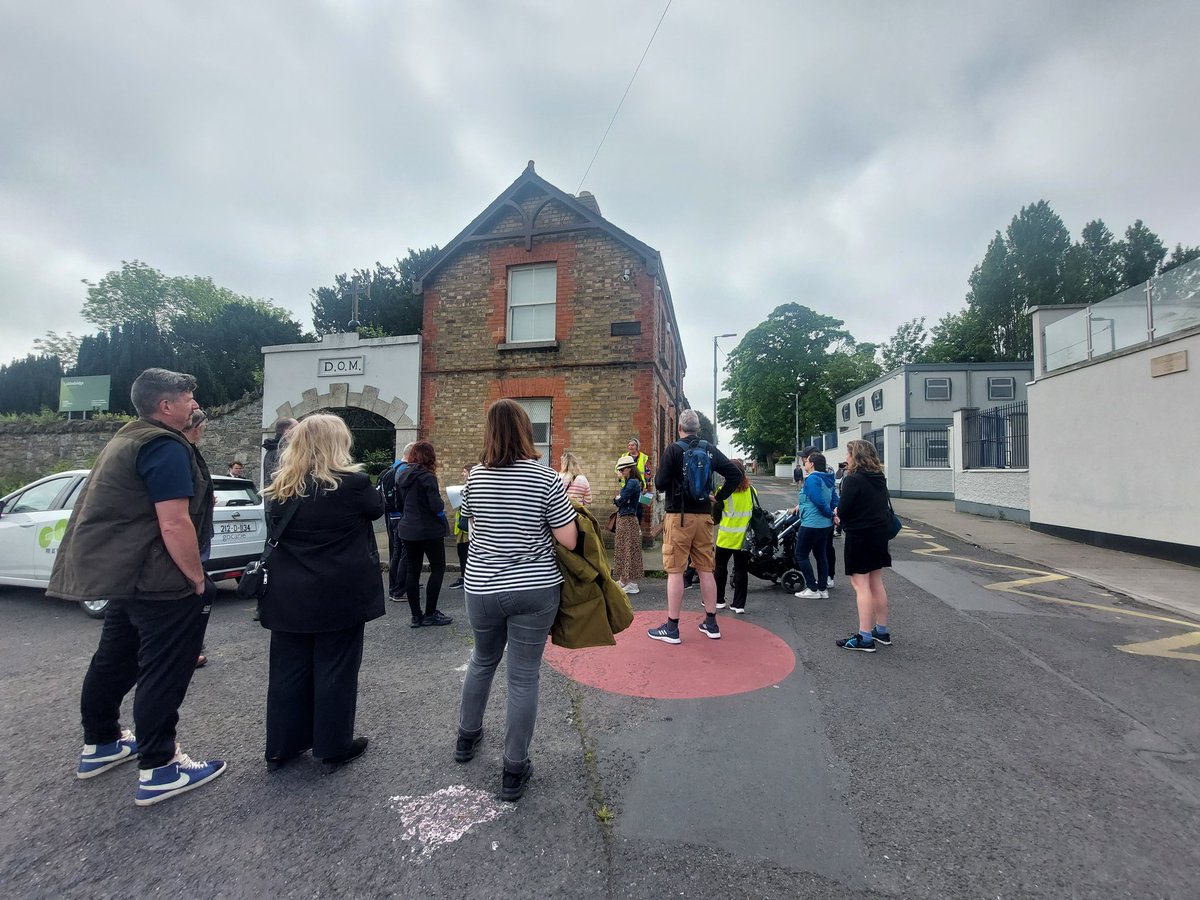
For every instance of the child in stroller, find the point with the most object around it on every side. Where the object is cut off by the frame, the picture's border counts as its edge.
(771, 557)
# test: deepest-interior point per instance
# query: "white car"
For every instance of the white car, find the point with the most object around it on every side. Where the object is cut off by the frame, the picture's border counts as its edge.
(34, 518)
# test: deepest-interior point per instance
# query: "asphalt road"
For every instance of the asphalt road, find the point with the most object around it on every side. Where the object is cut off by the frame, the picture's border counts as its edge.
(1002, 747)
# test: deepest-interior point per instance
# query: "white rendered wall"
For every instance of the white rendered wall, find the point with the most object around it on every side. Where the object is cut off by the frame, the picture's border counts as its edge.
(1090, 429)
(382, 375)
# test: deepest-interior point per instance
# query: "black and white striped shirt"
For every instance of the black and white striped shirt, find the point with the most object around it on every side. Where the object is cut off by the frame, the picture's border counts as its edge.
(512, 510)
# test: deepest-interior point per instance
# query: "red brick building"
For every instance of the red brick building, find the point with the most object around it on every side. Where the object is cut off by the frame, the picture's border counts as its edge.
(543, 300)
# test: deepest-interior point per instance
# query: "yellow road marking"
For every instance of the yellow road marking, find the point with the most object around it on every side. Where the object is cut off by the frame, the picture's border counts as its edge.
(1041, 577)
(1168, 647)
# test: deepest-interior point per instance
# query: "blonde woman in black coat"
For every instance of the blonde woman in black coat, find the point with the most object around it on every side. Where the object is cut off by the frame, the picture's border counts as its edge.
(324, 586)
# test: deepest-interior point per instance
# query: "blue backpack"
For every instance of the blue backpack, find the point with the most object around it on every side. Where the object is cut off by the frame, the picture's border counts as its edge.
(697, 470)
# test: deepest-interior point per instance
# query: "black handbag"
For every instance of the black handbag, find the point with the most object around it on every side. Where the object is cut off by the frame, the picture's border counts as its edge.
(253, 583)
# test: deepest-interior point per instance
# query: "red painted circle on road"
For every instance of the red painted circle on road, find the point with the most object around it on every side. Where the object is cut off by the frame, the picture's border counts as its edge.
(746, 658)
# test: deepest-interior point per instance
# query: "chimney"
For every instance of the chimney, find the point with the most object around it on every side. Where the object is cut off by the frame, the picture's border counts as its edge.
(587, 199)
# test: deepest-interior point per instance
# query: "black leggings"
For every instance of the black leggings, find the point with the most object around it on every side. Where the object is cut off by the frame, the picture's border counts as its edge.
(417, 551)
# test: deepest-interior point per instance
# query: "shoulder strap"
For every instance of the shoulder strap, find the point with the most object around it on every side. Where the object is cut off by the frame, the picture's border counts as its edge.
(289, 510)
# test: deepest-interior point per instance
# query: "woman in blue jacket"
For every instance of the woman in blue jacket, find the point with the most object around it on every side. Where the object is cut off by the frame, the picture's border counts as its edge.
(815, 505)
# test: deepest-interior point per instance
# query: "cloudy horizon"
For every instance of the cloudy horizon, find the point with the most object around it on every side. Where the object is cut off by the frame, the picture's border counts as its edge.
(856, 161)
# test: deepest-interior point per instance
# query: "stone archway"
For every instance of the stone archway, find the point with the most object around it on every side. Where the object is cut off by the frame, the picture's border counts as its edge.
(339, 395)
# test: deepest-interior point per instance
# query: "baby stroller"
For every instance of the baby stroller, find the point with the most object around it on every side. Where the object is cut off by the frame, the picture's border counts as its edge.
(772, 550)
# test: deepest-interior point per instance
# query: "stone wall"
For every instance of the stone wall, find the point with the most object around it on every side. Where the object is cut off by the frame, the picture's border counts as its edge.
(31, 451)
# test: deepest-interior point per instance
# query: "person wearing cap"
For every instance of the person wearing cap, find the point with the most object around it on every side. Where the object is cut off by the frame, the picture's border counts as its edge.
(641, 460)
(627, 546)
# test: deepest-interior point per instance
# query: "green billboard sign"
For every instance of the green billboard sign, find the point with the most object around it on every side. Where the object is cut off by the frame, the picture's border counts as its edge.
(84, 393)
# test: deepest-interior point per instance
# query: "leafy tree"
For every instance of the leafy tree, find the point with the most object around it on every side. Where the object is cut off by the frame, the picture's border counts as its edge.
(136, 292)
(64, 346)
(224, 351)
(788, 353)
(1179, 256)
(386, 302)
(30, 384)
(960, 337)
(905, 346)
(1140, 254)
(1093, 266)
(706, 427)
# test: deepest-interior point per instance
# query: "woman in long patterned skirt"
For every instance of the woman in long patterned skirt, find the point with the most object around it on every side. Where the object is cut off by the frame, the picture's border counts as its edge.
(627, 549)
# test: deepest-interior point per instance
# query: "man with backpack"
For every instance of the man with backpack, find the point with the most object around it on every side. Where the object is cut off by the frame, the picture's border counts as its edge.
(685, 474)
(394, 510)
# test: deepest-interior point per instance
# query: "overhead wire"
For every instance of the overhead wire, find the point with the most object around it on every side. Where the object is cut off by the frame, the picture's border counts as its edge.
(637, 69)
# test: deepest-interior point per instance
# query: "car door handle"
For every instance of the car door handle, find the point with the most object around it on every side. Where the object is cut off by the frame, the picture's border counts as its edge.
(27, 524)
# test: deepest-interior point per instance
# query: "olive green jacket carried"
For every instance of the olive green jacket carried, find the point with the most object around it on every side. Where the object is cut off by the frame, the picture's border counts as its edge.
(113, 545)
(593, 607)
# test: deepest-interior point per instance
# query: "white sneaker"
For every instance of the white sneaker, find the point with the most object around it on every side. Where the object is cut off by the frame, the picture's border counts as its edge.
(807, 594)
(830, 582)
(721, 604)
(632, 588)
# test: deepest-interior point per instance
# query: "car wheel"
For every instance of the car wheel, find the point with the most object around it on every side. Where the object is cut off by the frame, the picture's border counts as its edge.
(94, 608)
(792, 580)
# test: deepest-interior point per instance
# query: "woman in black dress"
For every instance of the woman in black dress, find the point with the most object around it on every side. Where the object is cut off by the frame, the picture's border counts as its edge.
(423, 529)
(864, 513)
(324, 586)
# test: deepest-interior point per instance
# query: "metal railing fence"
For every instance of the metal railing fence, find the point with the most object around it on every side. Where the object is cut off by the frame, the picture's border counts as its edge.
(996, 438)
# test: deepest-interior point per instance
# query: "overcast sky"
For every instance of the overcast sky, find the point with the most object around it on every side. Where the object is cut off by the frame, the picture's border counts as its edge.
(855, 158)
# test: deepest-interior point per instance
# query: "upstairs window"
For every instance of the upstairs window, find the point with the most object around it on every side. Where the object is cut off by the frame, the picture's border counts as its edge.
(1002, 389)
(532, 302)
(860, 407)
(937, 388)
(845, 412)
(877, 400)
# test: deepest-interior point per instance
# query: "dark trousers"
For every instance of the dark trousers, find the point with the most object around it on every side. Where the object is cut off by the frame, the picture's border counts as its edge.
(418, 551)
(741, 568)
(397, 562)
(312, 692)
(831, 554)
(462, 547)
(815, 541)
(153, 644)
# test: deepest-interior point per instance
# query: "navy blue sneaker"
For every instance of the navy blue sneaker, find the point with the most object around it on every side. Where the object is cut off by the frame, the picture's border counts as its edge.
(97, 758)
(885, 639)
(667, 633)
(712, 630)
(178, 776)
(856, 642)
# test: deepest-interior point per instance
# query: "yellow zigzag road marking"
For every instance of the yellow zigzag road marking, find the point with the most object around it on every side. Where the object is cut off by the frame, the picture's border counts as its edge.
(1170, 648)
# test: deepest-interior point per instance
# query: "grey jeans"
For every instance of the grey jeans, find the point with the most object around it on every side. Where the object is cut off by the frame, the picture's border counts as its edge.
(522, 619)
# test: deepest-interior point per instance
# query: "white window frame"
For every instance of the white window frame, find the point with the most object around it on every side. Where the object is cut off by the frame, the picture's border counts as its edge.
(860, 407)
(541, 414)
(532, 303)
(938, 383)
(877, 400)
(1007, 383)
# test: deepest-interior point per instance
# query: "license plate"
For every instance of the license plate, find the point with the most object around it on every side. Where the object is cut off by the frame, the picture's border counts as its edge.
(236, 527)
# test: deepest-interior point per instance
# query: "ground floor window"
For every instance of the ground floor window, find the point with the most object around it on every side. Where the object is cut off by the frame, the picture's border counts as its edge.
(539, 410)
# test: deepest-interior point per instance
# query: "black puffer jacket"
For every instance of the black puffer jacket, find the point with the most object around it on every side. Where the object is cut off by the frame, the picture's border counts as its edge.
(424, 514)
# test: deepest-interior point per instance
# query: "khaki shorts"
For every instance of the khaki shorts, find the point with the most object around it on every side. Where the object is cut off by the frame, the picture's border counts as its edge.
(693, 537)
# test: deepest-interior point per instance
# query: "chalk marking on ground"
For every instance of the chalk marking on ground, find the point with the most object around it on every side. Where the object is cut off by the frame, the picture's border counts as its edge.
(445, 816)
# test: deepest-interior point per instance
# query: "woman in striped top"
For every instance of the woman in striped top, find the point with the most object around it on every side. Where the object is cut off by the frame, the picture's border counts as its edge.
(516, 509)
(573, 479)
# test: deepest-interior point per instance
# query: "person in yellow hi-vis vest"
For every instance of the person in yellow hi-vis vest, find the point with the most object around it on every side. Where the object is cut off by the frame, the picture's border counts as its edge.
(731, 538)
(643, 470)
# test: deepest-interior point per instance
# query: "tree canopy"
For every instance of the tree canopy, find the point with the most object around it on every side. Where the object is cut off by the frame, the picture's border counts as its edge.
(795, 351)
(386, 302)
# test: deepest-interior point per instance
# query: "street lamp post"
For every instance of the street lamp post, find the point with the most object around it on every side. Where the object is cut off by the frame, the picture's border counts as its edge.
(715, 339)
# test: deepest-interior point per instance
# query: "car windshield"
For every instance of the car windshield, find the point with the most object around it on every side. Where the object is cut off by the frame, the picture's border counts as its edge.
(235, 492)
